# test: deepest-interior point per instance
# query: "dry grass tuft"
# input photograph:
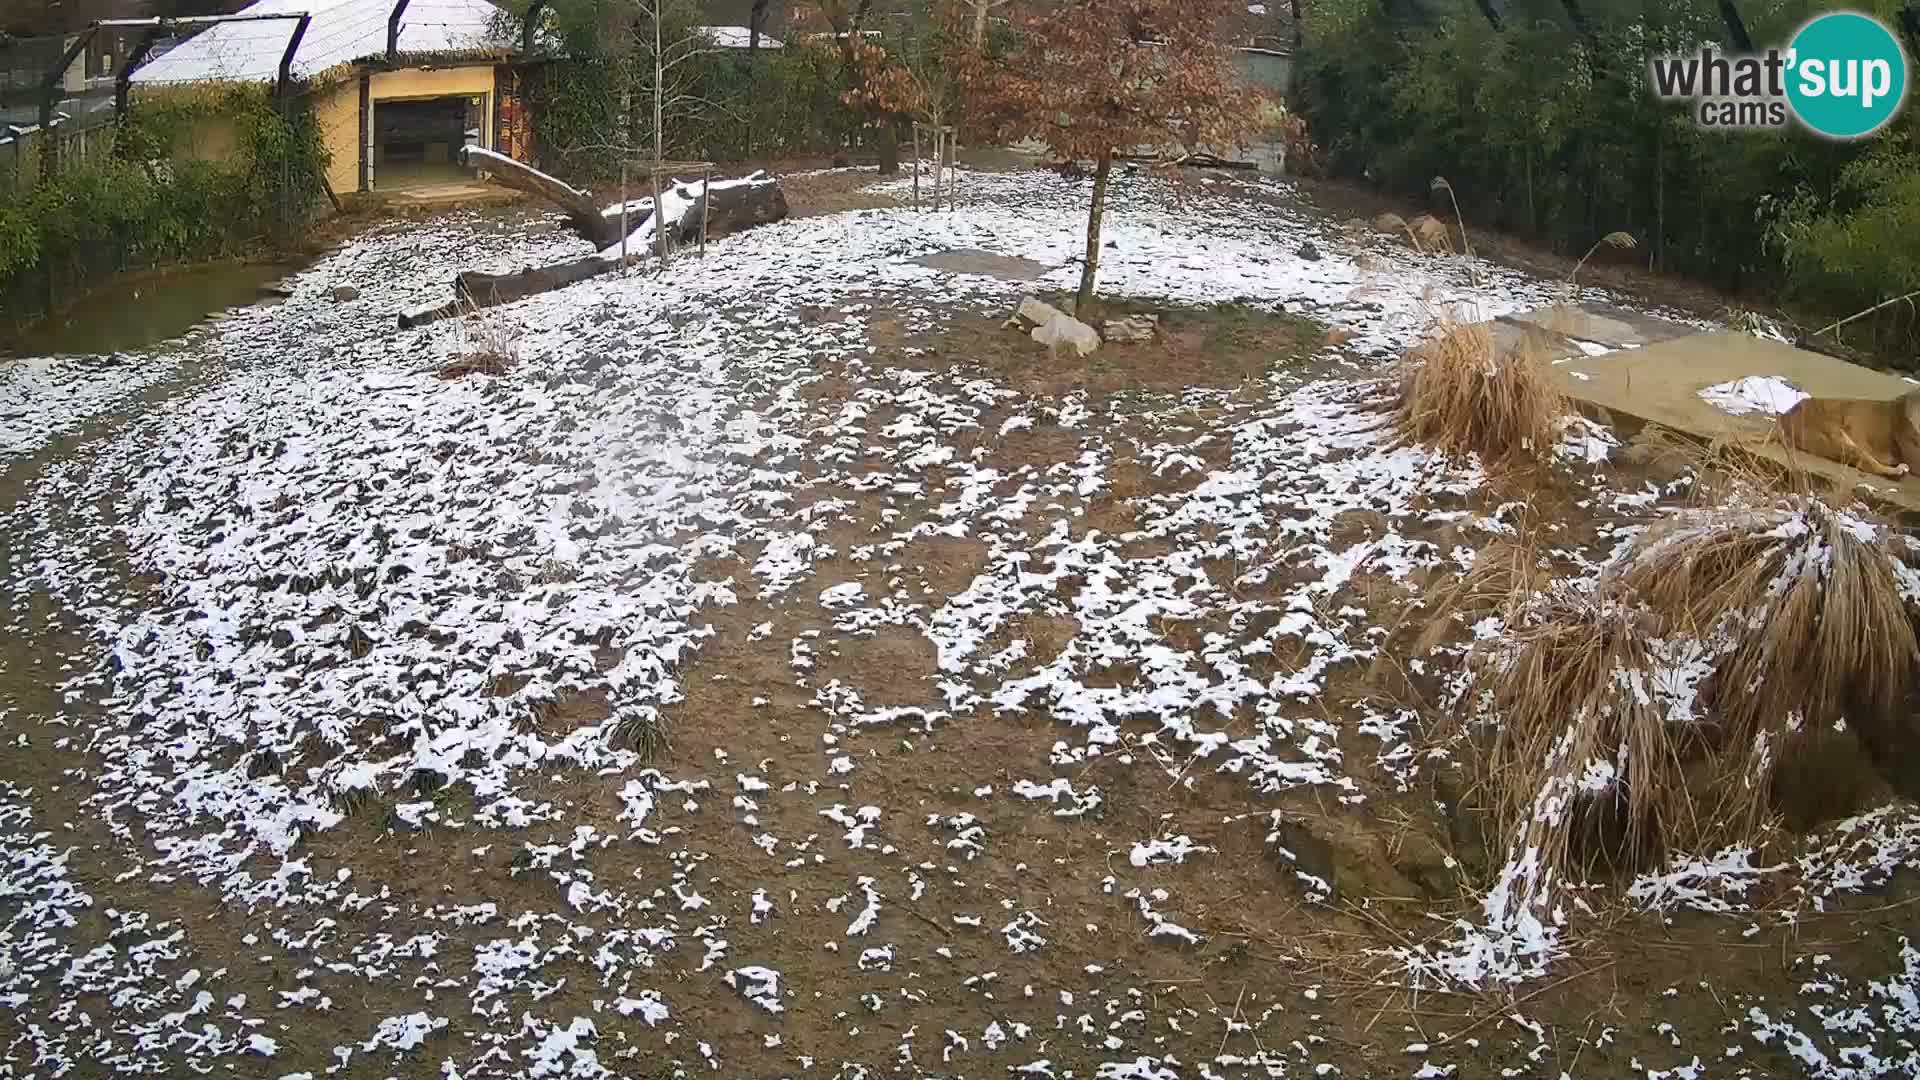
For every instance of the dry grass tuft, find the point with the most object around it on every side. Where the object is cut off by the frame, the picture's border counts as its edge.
(1459, 395)
(1618, 239)
(1647, 711)
(1440, 184)
(1394, 223)
(489, 343)
(1505, 577)
(1811, 610)
(1585, 767)
(476, 364)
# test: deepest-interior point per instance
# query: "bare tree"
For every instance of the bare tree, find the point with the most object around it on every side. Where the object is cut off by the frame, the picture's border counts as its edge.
(981, 9)
(658, 41)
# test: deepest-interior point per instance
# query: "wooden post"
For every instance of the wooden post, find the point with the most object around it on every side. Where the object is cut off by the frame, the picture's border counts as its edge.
(706, 204)
(916, 164)
(623, 214)
(659, 226)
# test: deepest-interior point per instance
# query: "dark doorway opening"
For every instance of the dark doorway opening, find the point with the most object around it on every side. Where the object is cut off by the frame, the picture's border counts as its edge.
(417, 142)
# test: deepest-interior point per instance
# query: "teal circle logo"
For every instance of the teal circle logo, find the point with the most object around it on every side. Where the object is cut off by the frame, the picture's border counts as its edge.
(1846, 76)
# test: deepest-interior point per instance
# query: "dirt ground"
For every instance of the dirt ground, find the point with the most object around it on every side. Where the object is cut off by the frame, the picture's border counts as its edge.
(1279, 980)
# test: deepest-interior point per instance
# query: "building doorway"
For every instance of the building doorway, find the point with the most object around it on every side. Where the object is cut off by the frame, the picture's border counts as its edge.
(416, 141)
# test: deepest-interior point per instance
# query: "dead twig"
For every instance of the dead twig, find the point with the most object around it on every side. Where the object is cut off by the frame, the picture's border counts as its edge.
(930, 921)
(1908, 298)
(1515, 1006)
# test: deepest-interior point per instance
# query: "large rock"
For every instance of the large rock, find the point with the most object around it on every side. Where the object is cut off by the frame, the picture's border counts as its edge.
(1065, 331)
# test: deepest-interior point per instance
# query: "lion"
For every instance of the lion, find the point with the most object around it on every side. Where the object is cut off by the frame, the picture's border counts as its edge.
(1878, 437)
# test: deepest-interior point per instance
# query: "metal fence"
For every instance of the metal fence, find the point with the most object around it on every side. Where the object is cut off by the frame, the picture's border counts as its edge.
(76, 141)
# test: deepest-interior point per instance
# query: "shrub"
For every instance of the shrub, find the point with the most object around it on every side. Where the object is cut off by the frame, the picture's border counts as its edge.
(1865, 247)
(141, 208)
(1461, 395)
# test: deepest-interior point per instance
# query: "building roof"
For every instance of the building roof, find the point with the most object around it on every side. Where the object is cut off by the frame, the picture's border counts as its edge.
(735, 37)
(342, 32)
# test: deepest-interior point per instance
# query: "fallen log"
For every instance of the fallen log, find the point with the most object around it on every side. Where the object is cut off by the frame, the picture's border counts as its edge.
(735, 205)
(473, 290)
(582, 212)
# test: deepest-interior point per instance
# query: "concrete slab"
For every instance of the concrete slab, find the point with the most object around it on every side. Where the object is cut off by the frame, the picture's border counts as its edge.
(1661, 383)
(1602, 324)
(975, 261)
(443, 196)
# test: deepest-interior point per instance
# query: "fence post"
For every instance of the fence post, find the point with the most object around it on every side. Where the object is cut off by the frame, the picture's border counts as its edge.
(659, 213)
(706, 203)
(49, 87)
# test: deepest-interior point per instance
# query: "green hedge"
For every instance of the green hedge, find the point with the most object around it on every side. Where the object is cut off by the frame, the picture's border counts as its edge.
(142, 207)
(1553, 134)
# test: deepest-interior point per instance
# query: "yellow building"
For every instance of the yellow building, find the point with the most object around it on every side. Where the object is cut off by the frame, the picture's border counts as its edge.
(397, 86)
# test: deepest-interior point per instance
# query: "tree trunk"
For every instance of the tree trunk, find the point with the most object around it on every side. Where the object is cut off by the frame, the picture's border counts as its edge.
(889, 148)
(980, 22)
(1296, 73)
(582, 213)
(1736, 27)
(1533, 215)
(1578, 17)
(1092, 266)
(755, 20)
(659, 90)
(733, 207)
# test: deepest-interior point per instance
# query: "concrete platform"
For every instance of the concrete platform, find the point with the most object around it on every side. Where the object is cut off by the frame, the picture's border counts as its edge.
(1660, 382)
(1600, 325)
(442, 196)
(1565, 332)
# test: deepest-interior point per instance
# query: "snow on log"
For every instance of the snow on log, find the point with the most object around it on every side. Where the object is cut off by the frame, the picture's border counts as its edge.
(736, 205)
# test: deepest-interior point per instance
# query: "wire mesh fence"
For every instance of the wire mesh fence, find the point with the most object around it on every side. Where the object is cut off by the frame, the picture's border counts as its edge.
(73, 142)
